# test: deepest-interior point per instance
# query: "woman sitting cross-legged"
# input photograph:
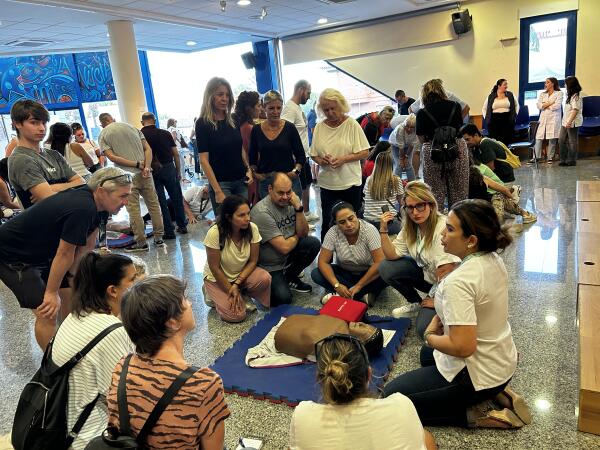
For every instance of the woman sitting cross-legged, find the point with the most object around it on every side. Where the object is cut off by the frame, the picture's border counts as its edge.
(158, 316)
(469, 357)
(350, 416)
(232, 247)
(415, 260)
(357, 248)
(99, 283)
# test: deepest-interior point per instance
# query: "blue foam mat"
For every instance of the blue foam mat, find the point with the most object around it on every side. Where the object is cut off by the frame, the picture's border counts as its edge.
(125, 240)
(293, 384)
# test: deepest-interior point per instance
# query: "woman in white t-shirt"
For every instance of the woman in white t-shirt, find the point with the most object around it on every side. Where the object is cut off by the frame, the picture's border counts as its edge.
(470, 356)
(230, 273)
(350, 416)
(382, 189)
(357, 248)
(568, 138)
(338, 146)
(99, 285)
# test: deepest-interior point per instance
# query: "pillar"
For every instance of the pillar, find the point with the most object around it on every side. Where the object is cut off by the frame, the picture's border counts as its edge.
(126, 71)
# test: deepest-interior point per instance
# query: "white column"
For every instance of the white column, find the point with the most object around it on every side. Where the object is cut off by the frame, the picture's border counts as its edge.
(126, 72)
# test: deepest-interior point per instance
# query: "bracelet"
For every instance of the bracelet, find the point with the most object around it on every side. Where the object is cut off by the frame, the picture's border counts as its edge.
(383, 232)
(426, 335)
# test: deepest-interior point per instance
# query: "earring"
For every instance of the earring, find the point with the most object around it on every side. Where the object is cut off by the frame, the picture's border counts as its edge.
(469, 245)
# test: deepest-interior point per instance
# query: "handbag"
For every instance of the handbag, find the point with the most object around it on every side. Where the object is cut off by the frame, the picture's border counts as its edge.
(123, 437)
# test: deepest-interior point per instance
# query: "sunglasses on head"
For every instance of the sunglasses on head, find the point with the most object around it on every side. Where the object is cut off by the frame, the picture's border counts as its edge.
(127, 176)
(345, 337)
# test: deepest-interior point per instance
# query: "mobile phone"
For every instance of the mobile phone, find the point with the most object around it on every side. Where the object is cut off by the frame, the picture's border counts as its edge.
(386, 208)
(250, 443)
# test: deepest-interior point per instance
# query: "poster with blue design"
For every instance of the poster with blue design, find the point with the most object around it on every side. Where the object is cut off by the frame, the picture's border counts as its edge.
(95, 77)
(49, 79)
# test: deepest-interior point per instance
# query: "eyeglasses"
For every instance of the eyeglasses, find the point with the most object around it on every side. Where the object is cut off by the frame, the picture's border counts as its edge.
(419, 207)
(127, 176)
(345, 337)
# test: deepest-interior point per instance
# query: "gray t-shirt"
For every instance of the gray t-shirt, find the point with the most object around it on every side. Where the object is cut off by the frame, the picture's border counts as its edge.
(272, 221)
(124, 141)
(28, 168)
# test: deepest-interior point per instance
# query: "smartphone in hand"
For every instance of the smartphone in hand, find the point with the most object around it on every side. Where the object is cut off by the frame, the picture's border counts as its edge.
(384, 209)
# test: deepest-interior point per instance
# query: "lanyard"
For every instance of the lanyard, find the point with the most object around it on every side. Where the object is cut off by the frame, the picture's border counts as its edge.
(472, 255)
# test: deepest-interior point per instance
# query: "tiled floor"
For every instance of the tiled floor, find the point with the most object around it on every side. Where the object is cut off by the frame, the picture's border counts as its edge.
(542, 314)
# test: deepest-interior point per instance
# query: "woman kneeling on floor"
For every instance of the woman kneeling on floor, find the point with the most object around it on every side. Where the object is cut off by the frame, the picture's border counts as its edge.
(469, 357)
(357, 248)
(231, 277)
(351, 417)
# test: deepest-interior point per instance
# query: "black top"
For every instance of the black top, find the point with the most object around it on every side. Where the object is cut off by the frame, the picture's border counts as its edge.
(490, 150)
(33, 236)
(403, 109)
(279, 154)
(161, 142)
(224, 148)
(441, 111)
(372, 132)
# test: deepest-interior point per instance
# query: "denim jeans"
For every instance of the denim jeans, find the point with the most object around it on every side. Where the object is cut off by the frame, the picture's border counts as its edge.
(410, 173)
(237, 187)
(406, 277)
(568, 144)
(263, 187)
(166, 178)
(301, 257)
(348, 279)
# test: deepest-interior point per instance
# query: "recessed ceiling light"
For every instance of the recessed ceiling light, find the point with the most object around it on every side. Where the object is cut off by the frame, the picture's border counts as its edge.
(191, 43)
(243, 2)
(322, 20)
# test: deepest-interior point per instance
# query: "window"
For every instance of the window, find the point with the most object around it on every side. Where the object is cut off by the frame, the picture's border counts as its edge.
(547, 50)
(93, 109)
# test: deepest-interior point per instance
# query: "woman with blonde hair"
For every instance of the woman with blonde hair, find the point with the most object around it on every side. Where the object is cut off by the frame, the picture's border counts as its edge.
(219, 141)
(338, 146)
(416, 260)
(445, 170)
(405, 144)
(275, 146)
(383, 190)
(350, 416)
(376, 122)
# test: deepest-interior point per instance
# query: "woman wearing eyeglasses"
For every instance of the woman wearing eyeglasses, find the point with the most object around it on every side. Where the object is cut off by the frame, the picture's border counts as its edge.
(415, 260)
(469, 357)
(351, 417)
(357, 249)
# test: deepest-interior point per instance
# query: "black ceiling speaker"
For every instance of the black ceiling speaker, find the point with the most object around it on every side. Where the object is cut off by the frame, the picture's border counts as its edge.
(462, 22)
(249, 60)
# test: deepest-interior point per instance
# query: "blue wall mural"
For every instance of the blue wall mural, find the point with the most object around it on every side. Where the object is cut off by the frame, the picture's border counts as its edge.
(95, 77)
(49, 79)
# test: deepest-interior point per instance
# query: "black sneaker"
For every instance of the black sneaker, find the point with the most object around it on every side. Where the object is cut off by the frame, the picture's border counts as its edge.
(137, 248)
(159, 242)
(182, 230)
(168, 237)
(299, 286)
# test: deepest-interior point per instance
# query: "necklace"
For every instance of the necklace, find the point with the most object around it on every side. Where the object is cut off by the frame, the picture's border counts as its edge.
(472, 255)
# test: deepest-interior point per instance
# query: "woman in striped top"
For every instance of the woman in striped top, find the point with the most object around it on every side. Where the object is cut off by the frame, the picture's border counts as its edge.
(357, 248)
(157, 316)
(99, 284)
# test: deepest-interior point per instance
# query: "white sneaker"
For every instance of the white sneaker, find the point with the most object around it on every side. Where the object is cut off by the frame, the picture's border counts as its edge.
(406, 310)
(250, 306)
(516, 193)
(369, 299)
(207, 300)
(311, 217)
(311, 227)
(326, 298)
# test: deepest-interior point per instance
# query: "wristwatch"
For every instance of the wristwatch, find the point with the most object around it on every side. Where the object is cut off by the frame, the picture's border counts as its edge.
(296, 171)
(336, 285)
(299, 210)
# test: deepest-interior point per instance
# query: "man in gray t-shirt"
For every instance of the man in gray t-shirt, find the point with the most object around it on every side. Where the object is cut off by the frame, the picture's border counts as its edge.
(285, 249)
(127, 148)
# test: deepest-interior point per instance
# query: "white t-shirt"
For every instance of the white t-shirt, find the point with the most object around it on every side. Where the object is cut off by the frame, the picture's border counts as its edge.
(428, 258)
(233, 259)
(345, 139)
(90, 147)
(93, 374)
(356, 257)
(575, 103)
(193, 196)
(177, 139)
(373, 207)
(389, 423)
(294, 114)
(476, 293)
(76, 162)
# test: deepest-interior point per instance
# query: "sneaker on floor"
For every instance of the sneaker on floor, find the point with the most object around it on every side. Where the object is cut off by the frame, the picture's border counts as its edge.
(311, 217)
(406, 310)
(299, 286)
(207, 301)
(159, 242)
(529, 217)
(326, 298)
(516, 193)
(168, 237)
(369, 299)
(311, 227)
(182, 230)
(137, 248)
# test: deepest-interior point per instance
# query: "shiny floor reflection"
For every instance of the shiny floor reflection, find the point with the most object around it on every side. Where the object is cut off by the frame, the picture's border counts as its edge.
(541, 267)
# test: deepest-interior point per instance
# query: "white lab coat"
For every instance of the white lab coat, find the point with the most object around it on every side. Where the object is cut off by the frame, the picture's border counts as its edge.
(550, 118)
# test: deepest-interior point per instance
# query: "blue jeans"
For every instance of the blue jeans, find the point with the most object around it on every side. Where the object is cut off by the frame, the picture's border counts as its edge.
(406, 277)
(237, 187)
(410, 173)
(263, 187)
(166, 178)
(348, 279)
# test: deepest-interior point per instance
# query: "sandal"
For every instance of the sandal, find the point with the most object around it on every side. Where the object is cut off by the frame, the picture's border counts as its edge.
(499, 419)
(514, 402)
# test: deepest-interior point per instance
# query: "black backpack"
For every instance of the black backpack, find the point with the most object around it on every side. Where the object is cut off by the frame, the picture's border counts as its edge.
(41, 418)
(443, 146)
(123, 437)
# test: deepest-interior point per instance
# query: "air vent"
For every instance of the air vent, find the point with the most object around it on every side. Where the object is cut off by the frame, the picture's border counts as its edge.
(28, 43)
(335, 2)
